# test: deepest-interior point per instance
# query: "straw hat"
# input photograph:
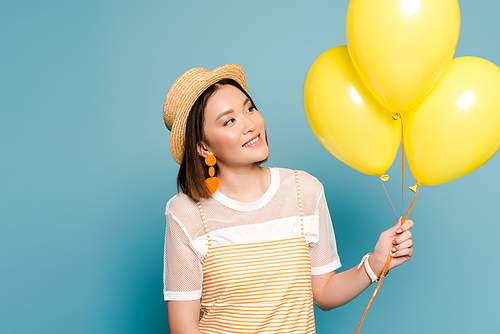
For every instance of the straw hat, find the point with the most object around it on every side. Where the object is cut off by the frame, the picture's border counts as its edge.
(184, 93)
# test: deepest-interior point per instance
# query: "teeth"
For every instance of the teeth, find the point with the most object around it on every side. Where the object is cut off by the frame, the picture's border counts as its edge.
(253, 141)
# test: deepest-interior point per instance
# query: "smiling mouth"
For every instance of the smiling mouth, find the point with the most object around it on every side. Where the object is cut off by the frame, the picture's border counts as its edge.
(251, 142)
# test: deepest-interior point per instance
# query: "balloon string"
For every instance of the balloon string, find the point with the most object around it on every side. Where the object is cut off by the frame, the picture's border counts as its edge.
(402, 165)
(411, 204)
(377, 289)
(386, 266)
(395, 213)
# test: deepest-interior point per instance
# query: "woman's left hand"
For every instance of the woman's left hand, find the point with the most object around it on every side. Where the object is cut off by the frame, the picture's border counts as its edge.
(397, 241)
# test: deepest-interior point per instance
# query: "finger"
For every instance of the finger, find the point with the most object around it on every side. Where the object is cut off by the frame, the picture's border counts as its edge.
(408, 252)
(394, 230)
(405, 244)
(402, 238)
(406, 226)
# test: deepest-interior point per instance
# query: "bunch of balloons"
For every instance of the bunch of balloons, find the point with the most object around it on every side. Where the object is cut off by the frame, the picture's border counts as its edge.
(398, 72)
(396, 81)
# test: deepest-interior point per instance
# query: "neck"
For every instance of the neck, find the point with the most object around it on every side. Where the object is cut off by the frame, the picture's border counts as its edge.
(244, 184)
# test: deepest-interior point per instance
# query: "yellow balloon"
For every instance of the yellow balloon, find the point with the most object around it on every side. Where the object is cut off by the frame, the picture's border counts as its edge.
(401, 48)
(346, 118)
(456, 129)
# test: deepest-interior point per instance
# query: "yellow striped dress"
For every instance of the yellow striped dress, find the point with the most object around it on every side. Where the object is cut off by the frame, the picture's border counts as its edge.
(261, 287)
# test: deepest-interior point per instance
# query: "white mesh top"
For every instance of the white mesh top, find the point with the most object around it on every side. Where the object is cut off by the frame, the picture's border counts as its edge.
(274, 216)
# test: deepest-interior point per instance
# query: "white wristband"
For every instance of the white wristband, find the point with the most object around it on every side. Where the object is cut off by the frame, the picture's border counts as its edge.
(368, 269)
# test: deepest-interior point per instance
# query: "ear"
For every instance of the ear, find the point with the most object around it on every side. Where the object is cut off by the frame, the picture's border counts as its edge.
(203, 149)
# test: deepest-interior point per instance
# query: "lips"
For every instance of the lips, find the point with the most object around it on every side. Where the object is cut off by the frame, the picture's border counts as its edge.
(253, 141)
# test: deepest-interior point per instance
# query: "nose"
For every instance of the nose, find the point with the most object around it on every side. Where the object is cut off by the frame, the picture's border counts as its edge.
(249, 126)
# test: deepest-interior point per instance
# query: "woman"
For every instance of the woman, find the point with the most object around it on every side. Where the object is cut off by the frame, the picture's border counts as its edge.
(253, 255)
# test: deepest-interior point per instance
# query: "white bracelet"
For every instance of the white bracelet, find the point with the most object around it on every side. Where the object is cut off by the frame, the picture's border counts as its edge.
(374, 278)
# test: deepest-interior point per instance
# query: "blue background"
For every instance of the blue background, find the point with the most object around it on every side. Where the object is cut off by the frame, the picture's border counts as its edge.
(86, 169)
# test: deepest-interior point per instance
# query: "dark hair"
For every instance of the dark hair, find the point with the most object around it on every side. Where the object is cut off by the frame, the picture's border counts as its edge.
(193, 171)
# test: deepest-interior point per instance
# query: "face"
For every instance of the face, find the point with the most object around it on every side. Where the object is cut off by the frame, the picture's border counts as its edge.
(235, 131)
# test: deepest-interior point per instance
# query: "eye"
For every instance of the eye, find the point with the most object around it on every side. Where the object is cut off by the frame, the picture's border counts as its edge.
(250, 110)
(229, 122)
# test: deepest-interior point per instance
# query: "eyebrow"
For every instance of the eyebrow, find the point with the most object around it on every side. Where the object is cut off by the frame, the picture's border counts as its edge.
(224, 113)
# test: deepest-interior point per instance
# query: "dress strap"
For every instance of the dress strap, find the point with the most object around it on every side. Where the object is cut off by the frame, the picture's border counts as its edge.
(204, 219)
(299, 195)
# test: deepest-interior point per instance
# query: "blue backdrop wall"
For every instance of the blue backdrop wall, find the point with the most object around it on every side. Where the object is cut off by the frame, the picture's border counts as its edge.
(86, 170)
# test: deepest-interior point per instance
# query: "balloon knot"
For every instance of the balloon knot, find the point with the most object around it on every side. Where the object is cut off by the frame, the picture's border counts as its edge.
(396, 116)
(384, 177)
(414, 188)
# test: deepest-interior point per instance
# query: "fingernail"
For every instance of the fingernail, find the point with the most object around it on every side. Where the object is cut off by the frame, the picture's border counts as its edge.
(393, 250)
(399, 230)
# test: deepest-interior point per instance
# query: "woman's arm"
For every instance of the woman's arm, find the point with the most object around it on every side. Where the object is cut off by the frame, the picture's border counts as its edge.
(183, 316)
(333, 290)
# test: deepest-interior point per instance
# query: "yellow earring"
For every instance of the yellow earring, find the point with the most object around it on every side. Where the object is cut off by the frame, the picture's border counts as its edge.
(212, 182)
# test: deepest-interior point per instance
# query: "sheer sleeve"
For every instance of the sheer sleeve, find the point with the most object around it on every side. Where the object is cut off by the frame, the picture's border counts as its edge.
(324, 257)
(182, 274)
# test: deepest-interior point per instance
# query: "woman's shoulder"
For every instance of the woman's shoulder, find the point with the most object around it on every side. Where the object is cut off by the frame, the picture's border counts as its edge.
(306, 180)
(182, 205)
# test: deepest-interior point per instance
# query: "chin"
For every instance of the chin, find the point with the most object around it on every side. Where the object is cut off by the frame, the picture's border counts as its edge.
(263, 158)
